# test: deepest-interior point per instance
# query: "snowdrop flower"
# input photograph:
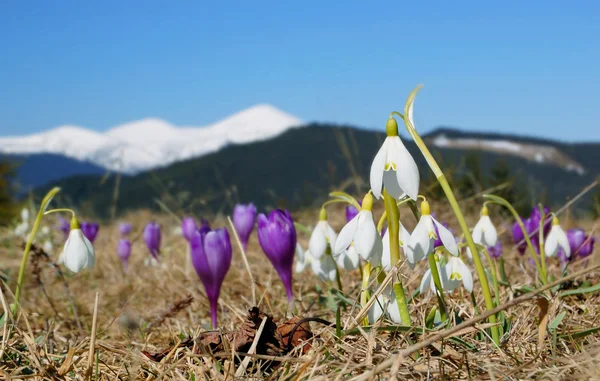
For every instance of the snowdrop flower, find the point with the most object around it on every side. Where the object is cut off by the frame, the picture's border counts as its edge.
(362, 231)
(557, 239)
(78, 252)
(324, 267)
(348, 259)
(457, 271)
(322, 238)
(48, 246)
(422, 239)
(386, 257)
(484, 232)
(393, 167)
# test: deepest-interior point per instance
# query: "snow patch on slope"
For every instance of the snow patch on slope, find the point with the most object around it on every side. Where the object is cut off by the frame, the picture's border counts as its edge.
(152, 142)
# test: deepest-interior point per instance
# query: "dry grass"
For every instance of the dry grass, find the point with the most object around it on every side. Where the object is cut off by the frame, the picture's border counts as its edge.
(149, 309)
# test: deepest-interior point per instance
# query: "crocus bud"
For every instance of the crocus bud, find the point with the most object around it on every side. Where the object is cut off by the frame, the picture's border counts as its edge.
(124, 228)
(188, 228)
(78, 252)
(204, 226)
(496, 250)
(124, 251)
(211, 257)
(90, 230)
(277, 237)
(152, 238)
(244, 217)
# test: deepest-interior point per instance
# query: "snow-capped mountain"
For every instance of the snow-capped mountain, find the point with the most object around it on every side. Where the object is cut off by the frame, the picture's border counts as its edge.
(151, 143)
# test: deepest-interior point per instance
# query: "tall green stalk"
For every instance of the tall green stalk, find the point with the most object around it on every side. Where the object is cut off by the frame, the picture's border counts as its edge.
(393, 218)
(31, 238)
(435, 275)
(485, 288)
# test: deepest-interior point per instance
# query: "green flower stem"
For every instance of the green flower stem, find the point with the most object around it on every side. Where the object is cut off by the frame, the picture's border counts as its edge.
(485, 287)
(364, 295)
(494, 275)
(393, 219)
(435, 274)
(502, 270)
(337, 277)
(36, 226)
(507, 205)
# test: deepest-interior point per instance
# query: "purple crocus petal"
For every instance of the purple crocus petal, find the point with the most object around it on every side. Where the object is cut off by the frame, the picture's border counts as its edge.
(188, 227)
(496, 250)
(438, 241)
(586, 249)
(204, 227)
(244, 217)
(64, 226)
(90, 230)
(124, 228)
(152, 238)
(124, 251)
(519, 238)
(351, 211)
(211, 257)
(277, 237)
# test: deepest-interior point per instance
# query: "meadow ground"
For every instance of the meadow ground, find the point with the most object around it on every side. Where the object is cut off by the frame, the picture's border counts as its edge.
(155, 309)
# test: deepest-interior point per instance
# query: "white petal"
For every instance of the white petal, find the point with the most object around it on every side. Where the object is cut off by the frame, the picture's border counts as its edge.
(317, 245)
(377, 169)
(551, 245)
(349, 259)
(563, 241)
(366, 234)
(407, 172)
(324, 268)
(467, 277)
(377, 251)
(450, 284)
(75, 252)
(447, 238)
(477, 233)
(392, 309)
(376, 310)
(330, 235)
(390, 183)
(346, 236)
(404, 236)
(425, 282)
(489, 233)
(419, 244)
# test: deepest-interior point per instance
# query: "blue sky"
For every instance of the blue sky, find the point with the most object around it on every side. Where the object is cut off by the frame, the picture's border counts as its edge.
(530, 67)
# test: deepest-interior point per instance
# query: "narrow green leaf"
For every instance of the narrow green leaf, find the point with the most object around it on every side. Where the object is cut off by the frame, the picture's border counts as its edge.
(581, 290)
(557, 320)
(579, 334)
(346, 197)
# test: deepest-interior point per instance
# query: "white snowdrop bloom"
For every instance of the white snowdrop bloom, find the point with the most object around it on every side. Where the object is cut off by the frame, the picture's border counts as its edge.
(427, 281)
(421, 242)
(362, 231)
(303, 258)
(484, 232)
(348, 259)
(25, 215)
(393, 167)
(457, 271)
(386, 257)
(392, 308)
(324, 268)
(151, 262)
(78, 252)
(557, 239)
(45, 230)
(322, 238)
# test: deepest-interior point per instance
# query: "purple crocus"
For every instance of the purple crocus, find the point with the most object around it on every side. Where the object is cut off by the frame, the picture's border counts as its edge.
(211, 257)
(531, 224)
(496, 250)
(581, 245)
(188, 227)
(277, 237)
(152, 238)
(124, 228)
(90, 230)
(244, 217)
(124, 251)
